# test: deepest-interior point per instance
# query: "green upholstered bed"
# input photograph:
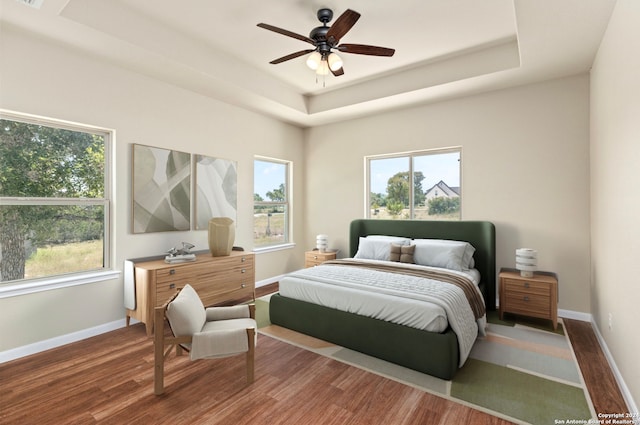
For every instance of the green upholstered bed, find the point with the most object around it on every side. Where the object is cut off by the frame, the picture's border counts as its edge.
(433, 353)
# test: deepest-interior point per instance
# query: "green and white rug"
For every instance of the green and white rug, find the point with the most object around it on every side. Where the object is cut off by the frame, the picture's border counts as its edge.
(519, 372)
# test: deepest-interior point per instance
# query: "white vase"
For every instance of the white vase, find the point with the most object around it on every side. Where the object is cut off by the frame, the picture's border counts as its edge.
(222, 234)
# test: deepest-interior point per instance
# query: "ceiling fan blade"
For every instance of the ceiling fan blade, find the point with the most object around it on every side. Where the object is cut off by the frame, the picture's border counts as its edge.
(287, 33)
(338, 72)
(291, 56)
(342, 25)
(363, 49)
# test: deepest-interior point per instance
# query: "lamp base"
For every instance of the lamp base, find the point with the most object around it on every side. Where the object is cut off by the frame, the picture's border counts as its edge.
(526, 273)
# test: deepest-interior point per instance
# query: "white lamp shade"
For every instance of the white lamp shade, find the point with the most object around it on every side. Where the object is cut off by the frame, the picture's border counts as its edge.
(335, 62)
(526, 261)
(314, 59)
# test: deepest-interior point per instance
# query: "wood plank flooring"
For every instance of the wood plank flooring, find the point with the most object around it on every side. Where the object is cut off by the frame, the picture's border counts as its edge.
(109, 379)
(600, 380)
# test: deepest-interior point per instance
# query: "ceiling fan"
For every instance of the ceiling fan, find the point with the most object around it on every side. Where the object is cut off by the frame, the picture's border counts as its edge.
(325, 39)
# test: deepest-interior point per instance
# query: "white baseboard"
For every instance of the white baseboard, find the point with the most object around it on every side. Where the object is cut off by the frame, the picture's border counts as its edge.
(575, 315)
(37, 347)
(631, 404)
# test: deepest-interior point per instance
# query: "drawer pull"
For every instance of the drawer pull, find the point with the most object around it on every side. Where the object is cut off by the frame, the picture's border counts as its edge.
(243, 285)
(172, 271)
(526, 298)
(172, 286)
(315, 257)
(243, 271)
(243, 259)
(526, 284)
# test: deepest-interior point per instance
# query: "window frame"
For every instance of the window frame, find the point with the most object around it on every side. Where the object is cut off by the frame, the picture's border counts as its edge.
(106, 272)
(287, 204)
(410, 155)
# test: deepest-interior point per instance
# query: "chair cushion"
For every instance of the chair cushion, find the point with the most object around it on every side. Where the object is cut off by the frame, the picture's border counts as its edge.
(186, 312)
(222, 338)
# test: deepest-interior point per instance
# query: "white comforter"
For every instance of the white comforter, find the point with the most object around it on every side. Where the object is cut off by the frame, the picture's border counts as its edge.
(417, 302)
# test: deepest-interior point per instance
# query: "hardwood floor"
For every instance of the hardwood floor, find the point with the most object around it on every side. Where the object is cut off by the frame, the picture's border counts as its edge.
(109, 379)
(603, 387)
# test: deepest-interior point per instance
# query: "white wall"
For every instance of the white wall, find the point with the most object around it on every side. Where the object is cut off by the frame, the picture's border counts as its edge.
(49, 80)
(525, 156)
(615, 197)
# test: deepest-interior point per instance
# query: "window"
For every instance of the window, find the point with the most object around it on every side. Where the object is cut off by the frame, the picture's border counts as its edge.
(54, 203)
(271, 208)
(421, 185)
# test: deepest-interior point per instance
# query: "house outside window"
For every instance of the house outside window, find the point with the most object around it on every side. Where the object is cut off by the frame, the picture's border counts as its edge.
(421, 185)
(271, 202)
(54, 199)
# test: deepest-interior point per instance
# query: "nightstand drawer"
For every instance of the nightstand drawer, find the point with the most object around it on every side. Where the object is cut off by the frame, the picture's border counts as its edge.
(314, 258)
(528, 304)
(527, 286)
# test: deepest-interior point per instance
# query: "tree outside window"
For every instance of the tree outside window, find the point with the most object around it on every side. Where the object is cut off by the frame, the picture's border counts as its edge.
(421, 185)
(271, 202)
(53, 207)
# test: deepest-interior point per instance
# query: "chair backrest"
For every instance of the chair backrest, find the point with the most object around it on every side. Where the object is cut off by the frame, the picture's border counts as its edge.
(186, 312)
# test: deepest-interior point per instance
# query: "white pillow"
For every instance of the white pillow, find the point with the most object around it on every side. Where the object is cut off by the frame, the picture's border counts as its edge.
(186, 312)
(453, 255)
(373, 249)
(391, 239)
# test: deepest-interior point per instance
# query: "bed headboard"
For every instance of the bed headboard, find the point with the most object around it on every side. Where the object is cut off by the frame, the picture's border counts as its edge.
(480, 234)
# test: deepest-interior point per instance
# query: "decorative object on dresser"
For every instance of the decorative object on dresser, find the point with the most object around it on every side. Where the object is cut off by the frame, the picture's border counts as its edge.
(222, 234)
(526, 261)
(315, 257)
(180, 255)
(218, 281)
(535, 296)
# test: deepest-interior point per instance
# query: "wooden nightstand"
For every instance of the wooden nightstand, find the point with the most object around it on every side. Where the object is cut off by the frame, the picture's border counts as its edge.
(535, 296)
(315, 257)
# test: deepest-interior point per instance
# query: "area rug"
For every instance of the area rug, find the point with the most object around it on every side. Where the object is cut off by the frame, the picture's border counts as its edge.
(523, 372)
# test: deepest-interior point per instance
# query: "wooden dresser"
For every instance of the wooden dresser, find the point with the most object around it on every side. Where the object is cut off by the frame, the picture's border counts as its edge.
(535, 296)
(217, 280)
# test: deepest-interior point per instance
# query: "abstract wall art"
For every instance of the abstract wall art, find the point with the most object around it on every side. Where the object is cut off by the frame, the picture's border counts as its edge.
(216, 189)
(161, 190)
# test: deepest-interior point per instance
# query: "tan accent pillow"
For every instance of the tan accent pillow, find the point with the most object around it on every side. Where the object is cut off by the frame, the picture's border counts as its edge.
(186, 312)
(402, 253)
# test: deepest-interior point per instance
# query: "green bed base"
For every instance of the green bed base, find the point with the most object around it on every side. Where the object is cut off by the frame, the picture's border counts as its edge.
(435, 354)
(432, 353)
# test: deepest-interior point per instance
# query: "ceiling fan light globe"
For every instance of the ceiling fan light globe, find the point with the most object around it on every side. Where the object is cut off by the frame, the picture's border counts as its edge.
(314, 59)
(335, 62)
(323, 68)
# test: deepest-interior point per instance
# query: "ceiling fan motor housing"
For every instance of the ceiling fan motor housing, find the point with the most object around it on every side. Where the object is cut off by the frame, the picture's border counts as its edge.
(325, 15)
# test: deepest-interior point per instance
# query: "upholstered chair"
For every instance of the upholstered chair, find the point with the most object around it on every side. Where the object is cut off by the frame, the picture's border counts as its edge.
(206, 333)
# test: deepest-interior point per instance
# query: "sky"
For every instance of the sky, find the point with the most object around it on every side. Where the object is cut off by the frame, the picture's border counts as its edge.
(435, 167)
(267, 176)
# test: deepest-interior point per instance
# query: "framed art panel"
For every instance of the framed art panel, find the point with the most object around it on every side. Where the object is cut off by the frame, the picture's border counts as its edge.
(161, 190)
(216, 189)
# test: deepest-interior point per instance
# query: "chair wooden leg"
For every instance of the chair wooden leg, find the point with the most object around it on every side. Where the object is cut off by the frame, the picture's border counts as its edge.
(158, 344)
(251, 355)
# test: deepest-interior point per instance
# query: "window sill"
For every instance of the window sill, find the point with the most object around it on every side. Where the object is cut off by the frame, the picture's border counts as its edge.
(274, 248)
(9, 290)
